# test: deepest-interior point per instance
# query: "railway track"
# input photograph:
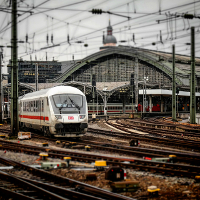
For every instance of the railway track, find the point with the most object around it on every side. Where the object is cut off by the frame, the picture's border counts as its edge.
(16, 188)
(186, 127)
(158, 132)
(60, 187)
(162, 127)
(189, 158)
(139, 164)
(169, 141)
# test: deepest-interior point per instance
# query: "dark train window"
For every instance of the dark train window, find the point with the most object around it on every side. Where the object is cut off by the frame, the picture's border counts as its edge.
(31, 106)
(34, 106)
(38, 105)
(42, 106)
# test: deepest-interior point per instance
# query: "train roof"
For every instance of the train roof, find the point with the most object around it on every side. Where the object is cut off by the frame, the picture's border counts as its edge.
(52, 91)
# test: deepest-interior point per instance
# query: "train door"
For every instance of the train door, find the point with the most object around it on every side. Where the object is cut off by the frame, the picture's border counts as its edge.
(46, 110)
(41, 108)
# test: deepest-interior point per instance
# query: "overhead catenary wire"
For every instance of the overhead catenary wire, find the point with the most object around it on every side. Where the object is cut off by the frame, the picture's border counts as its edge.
(151, 13)
(87, 37)
(7, 26)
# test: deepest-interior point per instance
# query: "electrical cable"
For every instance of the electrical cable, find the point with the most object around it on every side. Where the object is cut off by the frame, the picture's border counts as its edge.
(82, 36)
(22, 15)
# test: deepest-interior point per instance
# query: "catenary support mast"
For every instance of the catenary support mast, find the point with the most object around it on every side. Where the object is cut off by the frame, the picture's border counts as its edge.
(173, 87)
(192, 80)
(14, 73)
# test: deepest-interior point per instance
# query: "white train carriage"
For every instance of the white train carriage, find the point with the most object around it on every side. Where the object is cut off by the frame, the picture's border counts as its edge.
(59, 111)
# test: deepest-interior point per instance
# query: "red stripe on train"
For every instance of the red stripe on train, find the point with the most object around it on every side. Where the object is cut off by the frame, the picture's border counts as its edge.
(34, 117)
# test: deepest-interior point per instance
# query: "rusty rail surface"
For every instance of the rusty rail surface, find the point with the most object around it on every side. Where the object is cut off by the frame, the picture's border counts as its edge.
(190, 158)
(150, 138)
(159, 129)
(140, 164)
(60, 180)
(13, 187)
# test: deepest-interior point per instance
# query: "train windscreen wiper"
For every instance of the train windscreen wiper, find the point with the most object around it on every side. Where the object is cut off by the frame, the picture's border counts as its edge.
(64, 102)
(75, 104)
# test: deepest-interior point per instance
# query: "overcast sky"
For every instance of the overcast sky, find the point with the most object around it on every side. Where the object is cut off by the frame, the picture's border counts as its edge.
(148, 18)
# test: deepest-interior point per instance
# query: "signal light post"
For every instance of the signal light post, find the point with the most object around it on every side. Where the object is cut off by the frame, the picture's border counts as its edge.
(177, 92)
(14, 73)
(132, 88)
(192, 80)
(0, 90)
(173, 87)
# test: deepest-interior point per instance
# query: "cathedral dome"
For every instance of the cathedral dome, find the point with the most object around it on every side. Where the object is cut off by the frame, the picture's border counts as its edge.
(109, 39)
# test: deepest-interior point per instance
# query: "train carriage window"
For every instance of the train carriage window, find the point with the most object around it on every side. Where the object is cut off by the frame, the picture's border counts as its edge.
(47, 101)
(38, 105)
(42, 106)
(32, 105)
(29, 106)
(20, 106)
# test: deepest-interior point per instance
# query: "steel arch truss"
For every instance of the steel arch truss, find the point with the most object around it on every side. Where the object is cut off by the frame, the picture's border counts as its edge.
(130, 54)
(22, 89)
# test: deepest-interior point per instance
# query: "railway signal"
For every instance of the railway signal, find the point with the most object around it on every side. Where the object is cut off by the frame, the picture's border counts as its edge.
(177, 90)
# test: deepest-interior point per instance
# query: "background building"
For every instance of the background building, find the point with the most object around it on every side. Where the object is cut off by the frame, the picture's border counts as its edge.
(46, 70)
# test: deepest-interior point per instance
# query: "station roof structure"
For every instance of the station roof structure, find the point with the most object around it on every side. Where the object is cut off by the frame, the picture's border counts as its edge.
(158, 67)
(114, 65)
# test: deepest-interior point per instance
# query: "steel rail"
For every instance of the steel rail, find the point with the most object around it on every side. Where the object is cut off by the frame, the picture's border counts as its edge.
(134, 150)
(39, 192)
(189, 158)
(66, 192)
(154, 132)
(171, 169)
(165, 128)
(70, 182)
(149, 138)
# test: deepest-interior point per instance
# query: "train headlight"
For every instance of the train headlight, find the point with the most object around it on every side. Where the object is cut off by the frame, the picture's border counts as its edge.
(82, 116)
(58, 116)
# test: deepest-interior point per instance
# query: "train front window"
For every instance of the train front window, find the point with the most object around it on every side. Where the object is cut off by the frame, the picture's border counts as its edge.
(68, 101)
